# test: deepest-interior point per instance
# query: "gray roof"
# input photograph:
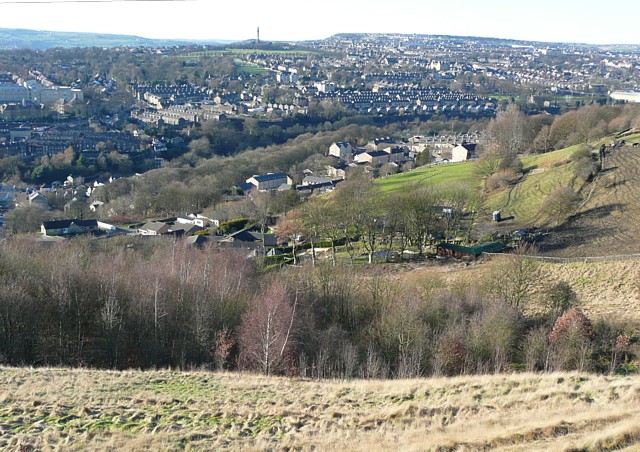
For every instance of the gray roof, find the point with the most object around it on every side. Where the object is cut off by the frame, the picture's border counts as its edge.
(269, 177)
(154, 226)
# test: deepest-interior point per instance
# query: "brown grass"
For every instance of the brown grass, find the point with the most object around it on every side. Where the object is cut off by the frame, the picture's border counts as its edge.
(83, 409)
(605, 290)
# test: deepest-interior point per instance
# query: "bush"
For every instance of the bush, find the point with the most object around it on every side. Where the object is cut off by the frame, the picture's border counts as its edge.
(582, 152)
(233, 225)
(570, 340)
(585, 168)
(502, 179)
(560, 204)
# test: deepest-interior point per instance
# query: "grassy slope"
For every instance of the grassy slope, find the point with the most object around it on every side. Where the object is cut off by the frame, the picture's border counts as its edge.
(544, 174)
(607, 221)
(453, 173)
(83, 409)
(606, 290)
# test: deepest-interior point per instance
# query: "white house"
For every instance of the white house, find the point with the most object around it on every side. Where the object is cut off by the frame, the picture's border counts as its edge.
(196, 219)
(462, 152)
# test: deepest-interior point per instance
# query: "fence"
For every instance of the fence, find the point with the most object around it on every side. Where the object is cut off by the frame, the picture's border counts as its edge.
(584, 260)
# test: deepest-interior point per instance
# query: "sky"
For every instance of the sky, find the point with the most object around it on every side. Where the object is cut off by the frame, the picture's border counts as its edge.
(579, 21)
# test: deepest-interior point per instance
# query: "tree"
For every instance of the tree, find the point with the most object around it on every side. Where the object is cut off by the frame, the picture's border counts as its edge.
(421, 219)
(585, 165)
(559, 297)
(314, 225)
(292, 227)
(510, 130)
(462, 204)
(346, 209)
(542, 141)
(560, 204)
(267, 330)
(201, 147)
(513, 278)
(368, 220)
(488, 162)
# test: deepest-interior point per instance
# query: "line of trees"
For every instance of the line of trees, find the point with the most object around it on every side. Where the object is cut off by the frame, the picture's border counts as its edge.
(371, 221)
(130, 303)
(512, 132)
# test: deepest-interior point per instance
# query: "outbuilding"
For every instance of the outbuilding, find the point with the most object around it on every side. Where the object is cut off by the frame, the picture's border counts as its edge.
(468, 252)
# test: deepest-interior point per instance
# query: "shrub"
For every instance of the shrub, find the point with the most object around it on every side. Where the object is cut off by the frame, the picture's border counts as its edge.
(233, 225)
(570, 340)
(502, 179)
(560, 204)
(559, 297)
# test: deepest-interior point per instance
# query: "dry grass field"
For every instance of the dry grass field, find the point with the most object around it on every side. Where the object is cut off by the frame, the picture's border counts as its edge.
(605, 290)
(132, 410)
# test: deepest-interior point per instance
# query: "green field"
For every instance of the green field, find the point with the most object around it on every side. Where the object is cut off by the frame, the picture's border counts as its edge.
(245, 52)
(248, 68)
(442, 175)
(543, 174)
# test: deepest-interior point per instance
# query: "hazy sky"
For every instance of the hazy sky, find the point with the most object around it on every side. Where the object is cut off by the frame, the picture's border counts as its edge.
(588, 21)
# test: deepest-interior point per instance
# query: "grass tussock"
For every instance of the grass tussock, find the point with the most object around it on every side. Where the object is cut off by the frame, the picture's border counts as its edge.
(83, 409)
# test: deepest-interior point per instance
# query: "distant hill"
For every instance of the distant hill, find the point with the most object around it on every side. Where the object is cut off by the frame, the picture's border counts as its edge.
(41, 40)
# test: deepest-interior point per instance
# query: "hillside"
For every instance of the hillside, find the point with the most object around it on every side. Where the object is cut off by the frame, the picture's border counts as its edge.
(11, 38)
(605, 290)
(604, 223)
(607, 221)
(84, 409)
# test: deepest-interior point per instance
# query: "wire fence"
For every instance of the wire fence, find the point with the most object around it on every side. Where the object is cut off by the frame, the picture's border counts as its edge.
(584, 260)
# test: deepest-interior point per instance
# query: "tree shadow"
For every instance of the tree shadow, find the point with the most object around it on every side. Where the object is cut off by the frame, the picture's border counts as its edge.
(581, 229)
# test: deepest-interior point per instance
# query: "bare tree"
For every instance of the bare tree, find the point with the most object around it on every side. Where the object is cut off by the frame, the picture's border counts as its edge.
(267, 330)
(510, 130)
(513, 278)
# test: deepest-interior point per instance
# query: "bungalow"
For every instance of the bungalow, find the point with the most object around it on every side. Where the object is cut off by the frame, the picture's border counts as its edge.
(197, 219)
(269, 181)
(68, 227)
(184, 229)
(197, 241)
(318, 187)
(154, 228)
(38, 199)
(313, 180)
(245, 236)
(248, 240)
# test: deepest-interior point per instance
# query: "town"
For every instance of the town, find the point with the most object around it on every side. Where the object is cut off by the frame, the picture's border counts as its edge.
(70, 125)
(238, 244)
